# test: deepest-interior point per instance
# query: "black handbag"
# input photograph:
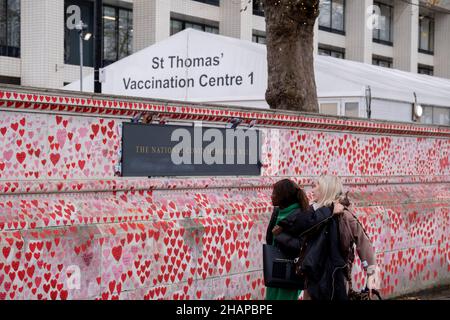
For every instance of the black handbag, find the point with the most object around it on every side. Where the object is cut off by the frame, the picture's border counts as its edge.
(279, 271)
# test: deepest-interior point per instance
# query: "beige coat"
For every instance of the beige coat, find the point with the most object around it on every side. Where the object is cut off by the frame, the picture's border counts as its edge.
(352, 233)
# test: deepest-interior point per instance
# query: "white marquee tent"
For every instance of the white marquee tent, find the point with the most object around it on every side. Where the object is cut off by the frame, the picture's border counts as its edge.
(202, 67)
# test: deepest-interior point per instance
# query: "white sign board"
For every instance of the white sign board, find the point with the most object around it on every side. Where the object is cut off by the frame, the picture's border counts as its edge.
(190, 66)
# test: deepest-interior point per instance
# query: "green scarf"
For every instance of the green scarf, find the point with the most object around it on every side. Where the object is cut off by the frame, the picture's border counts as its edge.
(284, 213)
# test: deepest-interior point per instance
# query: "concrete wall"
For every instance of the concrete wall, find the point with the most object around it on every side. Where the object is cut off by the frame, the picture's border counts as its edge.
(62, 209)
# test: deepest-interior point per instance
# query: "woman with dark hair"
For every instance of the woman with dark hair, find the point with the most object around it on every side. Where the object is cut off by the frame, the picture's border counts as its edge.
(290, 203)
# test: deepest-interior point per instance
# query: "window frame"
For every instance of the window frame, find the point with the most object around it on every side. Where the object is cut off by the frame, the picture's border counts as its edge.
(390, 61)
(430, 35)
(258, 37)
(330, 28)
(331, 50)
(432, 109)
(183, 25)
(116, 31)
(71, 54)
(442, 108)
(209, 2)
(258, 9)
(344, 108)
(7, 50)
(67, 34)
(389, 42)
(424, 67)
(330, 102)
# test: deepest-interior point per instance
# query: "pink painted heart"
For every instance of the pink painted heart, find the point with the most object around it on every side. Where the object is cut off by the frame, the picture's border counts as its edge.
(8, 154)
(106, 253)
(127, 258)
(82, 132)
(88, 145)
(117, 271)
(61, 136)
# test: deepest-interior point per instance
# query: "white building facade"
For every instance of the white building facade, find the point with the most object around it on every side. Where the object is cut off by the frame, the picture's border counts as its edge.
(38, 48)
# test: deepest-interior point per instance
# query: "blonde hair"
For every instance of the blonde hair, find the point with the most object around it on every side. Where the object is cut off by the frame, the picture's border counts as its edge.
(330, 189)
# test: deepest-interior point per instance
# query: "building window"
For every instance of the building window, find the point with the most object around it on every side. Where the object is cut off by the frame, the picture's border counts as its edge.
(10, 80)
(117, 34)
(441, 116)
(382, 61)
(125, 33)
(259, 39)
(427, 116)
(179, 25)
(109, 35)
(332, 16)
(383, 34)
(10, 28)
(426, 34)
(211, 2)
(352, 109)
(435, 115)
(329, 108)
(258, 8)
(71, 37)
(332, 52)
(423, 69)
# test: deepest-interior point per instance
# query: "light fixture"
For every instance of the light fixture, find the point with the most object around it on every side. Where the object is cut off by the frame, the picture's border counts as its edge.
(417, 109)
(109, 18)
(87, 36)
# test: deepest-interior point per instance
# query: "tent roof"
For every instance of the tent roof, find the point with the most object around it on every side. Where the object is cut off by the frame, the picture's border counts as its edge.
(334, 77)
(385, 83)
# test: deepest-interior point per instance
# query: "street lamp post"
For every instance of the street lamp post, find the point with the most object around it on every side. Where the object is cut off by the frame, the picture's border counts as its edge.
(81, 27)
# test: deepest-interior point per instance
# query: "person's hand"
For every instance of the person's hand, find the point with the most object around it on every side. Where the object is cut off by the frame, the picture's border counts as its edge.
(277, 230)
(338, 208)
(373, 279)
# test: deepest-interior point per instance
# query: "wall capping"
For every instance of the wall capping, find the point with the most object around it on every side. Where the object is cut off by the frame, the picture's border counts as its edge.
(57, 101)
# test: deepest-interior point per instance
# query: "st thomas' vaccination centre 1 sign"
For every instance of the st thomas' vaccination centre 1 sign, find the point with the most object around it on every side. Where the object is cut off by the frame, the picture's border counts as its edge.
(183, 68)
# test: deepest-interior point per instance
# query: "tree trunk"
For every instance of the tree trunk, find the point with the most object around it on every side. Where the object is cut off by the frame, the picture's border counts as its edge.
(290, 48)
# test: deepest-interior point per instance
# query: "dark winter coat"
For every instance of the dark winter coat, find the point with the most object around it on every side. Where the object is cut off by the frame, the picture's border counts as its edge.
(324, 265)
(296, 223)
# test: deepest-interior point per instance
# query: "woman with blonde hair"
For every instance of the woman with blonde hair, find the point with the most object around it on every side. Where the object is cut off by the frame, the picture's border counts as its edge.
(328, 192)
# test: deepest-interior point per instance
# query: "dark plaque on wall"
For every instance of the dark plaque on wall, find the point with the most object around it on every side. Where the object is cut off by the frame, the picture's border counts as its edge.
(150, 150)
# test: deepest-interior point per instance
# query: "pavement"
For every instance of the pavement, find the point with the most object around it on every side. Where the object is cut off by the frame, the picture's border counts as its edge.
(440, 293)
